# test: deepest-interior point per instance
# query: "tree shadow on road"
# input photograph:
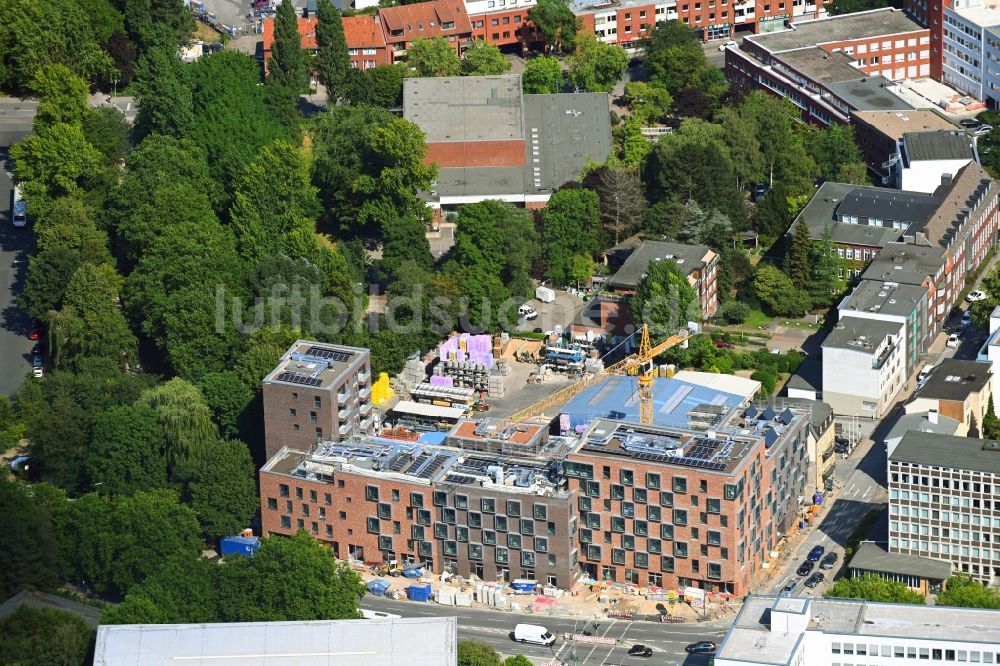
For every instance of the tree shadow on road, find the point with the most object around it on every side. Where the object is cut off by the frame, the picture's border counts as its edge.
(843, 518)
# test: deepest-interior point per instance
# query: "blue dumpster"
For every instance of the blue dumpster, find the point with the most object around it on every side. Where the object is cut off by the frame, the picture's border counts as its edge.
(419, 592)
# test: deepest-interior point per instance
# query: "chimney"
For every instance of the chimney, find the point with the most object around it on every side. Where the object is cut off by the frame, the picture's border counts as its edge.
(946, 179)
(932, 416)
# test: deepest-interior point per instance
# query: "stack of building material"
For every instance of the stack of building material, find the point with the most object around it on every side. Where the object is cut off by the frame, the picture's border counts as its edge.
(446, 382)
(414, 372)
(495, 386)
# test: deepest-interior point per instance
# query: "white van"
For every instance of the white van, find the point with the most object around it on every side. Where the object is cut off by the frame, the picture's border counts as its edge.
(19, 211)
(533, 633)
(924, 373)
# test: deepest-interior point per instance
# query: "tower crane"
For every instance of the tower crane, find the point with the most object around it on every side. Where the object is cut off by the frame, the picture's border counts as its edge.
(639, 364)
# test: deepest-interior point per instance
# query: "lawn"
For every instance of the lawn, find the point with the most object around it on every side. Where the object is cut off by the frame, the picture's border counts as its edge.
(757, 319)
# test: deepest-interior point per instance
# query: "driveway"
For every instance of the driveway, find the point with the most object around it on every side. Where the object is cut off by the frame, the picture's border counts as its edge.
(559, 312)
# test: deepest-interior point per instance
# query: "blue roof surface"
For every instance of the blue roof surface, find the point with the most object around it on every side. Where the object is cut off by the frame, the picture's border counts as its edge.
(432, 438)
(672, 400)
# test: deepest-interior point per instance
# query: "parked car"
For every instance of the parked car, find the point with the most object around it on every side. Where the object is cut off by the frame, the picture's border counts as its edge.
(842, 447)
(977, 295)
(970, 123)
(527, 312)
(759, 192)
(953, 341)
(925, 372)
(805, 568)
(726, 44)
(701, 647)
(828, 562)
(816, 553)
(721, 344)
(788, 588)
(983, 129)
(533, 633)
(640, 651)
(815, 579)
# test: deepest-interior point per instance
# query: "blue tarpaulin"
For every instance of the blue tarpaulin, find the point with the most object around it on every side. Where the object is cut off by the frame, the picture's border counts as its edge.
(378, 587)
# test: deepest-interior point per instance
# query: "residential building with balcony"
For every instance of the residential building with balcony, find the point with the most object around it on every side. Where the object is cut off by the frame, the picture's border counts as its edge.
(366, 45)
(944, 502)
(698, 263)
(914, 261)
(403, 24)
(863, 366)
(802, 631)
(878, 134)
(472, 513)
(678, 508)
(318, 392)
(832, 67)
(957, 389)
(505, 23)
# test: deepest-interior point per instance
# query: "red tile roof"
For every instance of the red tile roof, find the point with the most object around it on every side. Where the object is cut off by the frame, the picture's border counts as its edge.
(424, 19)
(363, 32)
(307, 32)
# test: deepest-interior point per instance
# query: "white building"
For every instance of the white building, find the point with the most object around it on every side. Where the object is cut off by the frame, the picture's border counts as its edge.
(971, 59)
(863, 366)
(990, 351)
(383, 642)
(924, 157)
(794, 631)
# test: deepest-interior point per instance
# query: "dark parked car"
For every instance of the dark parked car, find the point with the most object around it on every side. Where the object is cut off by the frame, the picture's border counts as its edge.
(971, 123)
(816, 553)
(805, 568)
(789, 587)
(759, 191)
(640, 651)
(815, 579)
(701, 647)
(829, 562)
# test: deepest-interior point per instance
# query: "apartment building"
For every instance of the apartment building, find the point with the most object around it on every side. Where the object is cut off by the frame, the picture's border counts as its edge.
(901, 304)
(990, 351)
(680, 508)
(832, 67)
(504, 23)
(366, 46)
(944, 502)
(307, 36)
(863, 366)
(922, 158)
(698, 263)
(402, 24)
(471, 513)
(802, 631)
(317, 392)
(914, 261)
(970, 48)
(878, 134)
(957, 389)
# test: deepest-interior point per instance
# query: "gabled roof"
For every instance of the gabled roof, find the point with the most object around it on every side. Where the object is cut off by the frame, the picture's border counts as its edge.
(423, 20)
(939, 145)
(363, 31)
(307, 33)
(962, 196)
(870, 557)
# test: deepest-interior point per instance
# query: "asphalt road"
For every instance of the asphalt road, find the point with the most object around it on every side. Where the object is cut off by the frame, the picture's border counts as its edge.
(15, 347)
(15, 121)
(495, 628)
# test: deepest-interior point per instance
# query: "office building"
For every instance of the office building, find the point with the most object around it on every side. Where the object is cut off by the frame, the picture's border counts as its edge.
(698, 263)
(317, 392)
(802, 631)
(970, 54)
(878, 133)
(863, 366)
(944, 502)
(961, 390)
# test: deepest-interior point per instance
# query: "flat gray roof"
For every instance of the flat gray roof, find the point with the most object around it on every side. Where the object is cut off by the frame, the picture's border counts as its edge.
(687, 257)
(750, 638)
(820, 65)
(884, 298)
(465, 108)
(314, 364)
(939, 145)
(963, 453)
(869, 93)
(859, 25)
(896, 123)
(906, 263)
(849, 330)
(906, 422)
(808, 376)
(379, 642)
(870, 557)
(955, 379)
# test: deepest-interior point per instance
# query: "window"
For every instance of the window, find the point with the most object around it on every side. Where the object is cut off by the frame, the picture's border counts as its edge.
(578, 470)
(312, 417)
(317, 403)
(653, 481)
(640, 527)
(416, 499)
(514, 541)
(319, 433)
(617, 524)
(628, 542)
(373, 525)
(489, 537)
(527, 526)
(283, 490)
(527, 558)
(627, 477)
(713, 505)
(628, 509)
(272, 503)
(286, 522)
(448, 516)
(475, 520)
(586, 504)
(462, 533)
(593, 552)
(451, 548)
(586, 536)
(384, 510)
(642, 560)
(329, 530)
(385, 543)
(513, 508)
(594, 488)
(680, 549)
(639, 495)
(488, 505)
(327, 499)
(291, 412)
(371, 493)
(714, 538)
(617, 492)
(541, 545)
(417, 532)
(540, 512)
(680, 484)
(475, 551)
(502, 556)
(440, 531)
(653, 513)
(305, 509)
(667, 564)
(617, 556)
(500, 523)
(714, 570)
(654, 546)
(667, 532)
(666, 499)
(440, 498)
(461, 502)
(680, 517)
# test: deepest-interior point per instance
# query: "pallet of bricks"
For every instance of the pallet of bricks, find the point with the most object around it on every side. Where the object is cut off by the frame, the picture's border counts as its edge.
(468, 361)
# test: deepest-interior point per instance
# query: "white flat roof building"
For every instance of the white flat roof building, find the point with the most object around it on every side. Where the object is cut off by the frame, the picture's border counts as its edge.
(388, 642)
(793, 631)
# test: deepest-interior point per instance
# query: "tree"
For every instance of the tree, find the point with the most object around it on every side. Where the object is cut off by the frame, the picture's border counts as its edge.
(432, 57)
(828, 274)
(776, 290)
(223, 491)
(59, 440)
(107, 130)
(744, 148)
(674, 57)
(851, 6)
(832, 148)
(44, 637)
(684, 167)
(664, 300)
(62, 96)
(126, 452)
(28, 549)
(649, 102)
(287, 67)
(542, 75)
(183, 417)
(517, 660)
(853, 172)
(798, 262)
(228, 398)
(873, 588)
(701, 227)
(767, 380)
(771, 217)
(596, 66)
(991, 424)
(556, 22)
(477, 653)
(384, 85)
(736, 273)
(332, 61)
(52, 161)
(152, 23)
(635, 146)
(734, 312)
(482, 58)
(164, 99)
(621, 198)
(964, 592)
(570, 226)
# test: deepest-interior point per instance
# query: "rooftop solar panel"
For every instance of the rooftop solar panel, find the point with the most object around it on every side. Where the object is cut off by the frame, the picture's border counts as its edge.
(328, 354)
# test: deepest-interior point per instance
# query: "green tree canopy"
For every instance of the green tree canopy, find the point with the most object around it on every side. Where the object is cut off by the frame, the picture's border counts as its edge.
(482, 58)
(556, 22)
(62, 96)
(53, 161)
(799, 260)
(571, 223)
(779, 294)
(223, 489)
(649, 102)
(834, 148)
(183, 417)
(674, 58)
(477, 653)
(964, 592)
(596, 66)
(44, 637)
(126, 452)
(542, 75)
(28, 549)
(873, 588)
(664, 300)
(432, 57)
(332, 61)
(164, 98)
(288, 67)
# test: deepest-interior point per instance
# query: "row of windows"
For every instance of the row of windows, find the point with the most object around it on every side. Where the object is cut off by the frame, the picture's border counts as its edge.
(943, 549)
(945, 516)
(943, 482)
(905, 652)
